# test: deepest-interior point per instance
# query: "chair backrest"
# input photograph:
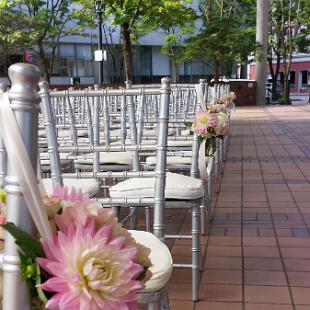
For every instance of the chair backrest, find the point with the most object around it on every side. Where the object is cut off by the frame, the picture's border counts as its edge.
(3, 157)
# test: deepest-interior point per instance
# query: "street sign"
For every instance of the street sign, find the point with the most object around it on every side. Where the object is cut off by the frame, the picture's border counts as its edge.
(98, 55)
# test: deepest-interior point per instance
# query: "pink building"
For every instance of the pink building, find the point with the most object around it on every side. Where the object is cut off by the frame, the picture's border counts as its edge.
(300, 73)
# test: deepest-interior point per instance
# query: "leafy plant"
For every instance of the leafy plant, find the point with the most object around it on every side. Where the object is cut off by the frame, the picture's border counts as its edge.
(30, 249)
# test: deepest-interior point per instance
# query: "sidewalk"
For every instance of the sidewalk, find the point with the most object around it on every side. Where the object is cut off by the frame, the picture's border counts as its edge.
(257, 254)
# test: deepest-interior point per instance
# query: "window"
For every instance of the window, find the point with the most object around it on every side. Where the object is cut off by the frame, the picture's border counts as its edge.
(84, 60)
(66, 60)
(304, 78)
(292, 78)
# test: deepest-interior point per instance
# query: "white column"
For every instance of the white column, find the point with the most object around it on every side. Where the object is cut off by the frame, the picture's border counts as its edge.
(262, 38)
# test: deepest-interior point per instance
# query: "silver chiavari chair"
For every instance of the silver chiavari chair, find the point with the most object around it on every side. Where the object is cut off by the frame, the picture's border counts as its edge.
(155, 292)
(177, 191)
(3, 156)
(24, 102)
(90, 186)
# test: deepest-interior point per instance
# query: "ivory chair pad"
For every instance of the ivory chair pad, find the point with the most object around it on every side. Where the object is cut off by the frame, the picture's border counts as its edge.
(178, 186)
(121, 158)
(171, 160)
(185, 132)
(45, 161)
(62, 133)
(180, 143)
(146, 132)
(160, 257)
(90, 186)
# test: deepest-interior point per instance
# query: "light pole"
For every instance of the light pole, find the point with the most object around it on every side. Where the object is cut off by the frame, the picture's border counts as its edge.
(99, 9)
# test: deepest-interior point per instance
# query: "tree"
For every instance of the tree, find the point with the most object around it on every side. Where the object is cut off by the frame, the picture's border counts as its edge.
(293, 36)
(289, 28)
(9, 39)
(176, 29)
(42, 23)
(274, 47)
(227, 34)
(135, 19)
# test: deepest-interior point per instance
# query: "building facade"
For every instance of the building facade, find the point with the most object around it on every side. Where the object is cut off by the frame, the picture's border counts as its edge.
(299, 75)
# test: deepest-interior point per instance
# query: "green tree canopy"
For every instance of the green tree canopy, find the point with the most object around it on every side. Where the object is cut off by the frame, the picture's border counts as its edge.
(227, 34)
(38, 25)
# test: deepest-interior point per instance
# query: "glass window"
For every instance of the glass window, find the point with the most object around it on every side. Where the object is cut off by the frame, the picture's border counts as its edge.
(67, 67)
(84, 60)
(304, 78)
(66, 50)
(292, 78)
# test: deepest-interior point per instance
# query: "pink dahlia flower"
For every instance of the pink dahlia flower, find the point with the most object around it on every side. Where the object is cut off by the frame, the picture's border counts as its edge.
(80, 215)
(90, 270)
(63, 193)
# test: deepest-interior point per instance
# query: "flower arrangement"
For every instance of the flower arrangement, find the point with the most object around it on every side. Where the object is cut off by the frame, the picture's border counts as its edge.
(91, 262)
(229, 99)
(209, 125)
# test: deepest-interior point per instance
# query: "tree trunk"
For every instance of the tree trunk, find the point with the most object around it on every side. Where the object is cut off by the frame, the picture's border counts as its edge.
(127, 50)
(174, 72)
(274, 75)
(216, 70)
(45, 63)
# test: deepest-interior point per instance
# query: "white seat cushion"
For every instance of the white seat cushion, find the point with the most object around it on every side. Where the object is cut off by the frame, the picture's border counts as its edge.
(90, 186)
(160, 257)
(171, 160)
(180, 143)
(66, 133)
(121, 158)
(178, 186)
(185, 132)
(145, 133)
(45, 160)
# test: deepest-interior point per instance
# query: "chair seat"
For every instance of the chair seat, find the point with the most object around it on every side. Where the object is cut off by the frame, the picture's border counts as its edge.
(171, 160)
(45, 160)
(178, 186)
(160, 257)
(121, 158)
(90, 186)
(146, 132)
(187, 143)
(66, 133)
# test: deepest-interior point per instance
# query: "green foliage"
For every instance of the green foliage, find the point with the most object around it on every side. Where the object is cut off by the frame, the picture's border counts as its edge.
(2, 195)
(227, 34)
(30, 249)
(30, 246)
(289, 32)
(38, 25)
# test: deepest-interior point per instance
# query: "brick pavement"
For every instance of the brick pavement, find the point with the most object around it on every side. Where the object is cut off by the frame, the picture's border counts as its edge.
(258, 247)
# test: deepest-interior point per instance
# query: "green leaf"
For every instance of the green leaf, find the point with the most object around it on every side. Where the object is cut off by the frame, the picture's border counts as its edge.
(29, 245)
(39, 290)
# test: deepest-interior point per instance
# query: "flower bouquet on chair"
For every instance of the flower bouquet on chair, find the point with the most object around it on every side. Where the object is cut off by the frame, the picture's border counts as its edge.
(229, 100)
(209, 125)
(91, 261)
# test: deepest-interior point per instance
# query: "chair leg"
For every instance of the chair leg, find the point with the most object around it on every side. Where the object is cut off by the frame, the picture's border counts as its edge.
(116, 211)
(225, 142)
(154, 305)
(195, 253)
(147, 219)
(134, 218)
(165, 305)
(209, 199)
(203, 211)
(217, 171)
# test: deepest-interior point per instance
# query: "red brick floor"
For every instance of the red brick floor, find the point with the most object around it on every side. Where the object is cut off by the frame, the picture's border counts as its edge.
(257, 252)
